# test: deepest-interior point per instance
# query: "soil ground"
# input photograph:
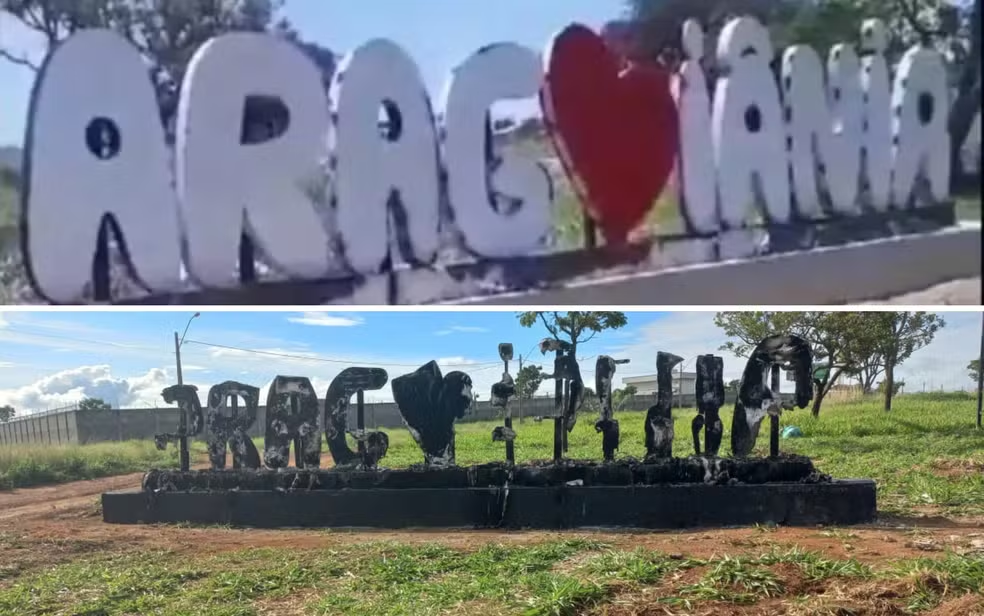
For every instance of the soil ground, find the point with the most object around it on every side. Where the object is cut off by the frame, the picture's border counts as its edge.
(53, 524)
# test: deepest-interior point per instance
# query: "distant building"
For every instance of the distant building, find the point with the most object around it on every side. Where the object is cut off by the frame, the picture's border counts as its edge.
(646, 385)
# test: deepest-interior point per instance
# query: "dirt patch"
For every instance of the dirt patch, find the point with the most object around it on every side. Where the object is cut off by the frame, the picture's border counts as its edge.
(46, 526)
(864, 599)
(958, 468)
(969, 605)
(71, 512)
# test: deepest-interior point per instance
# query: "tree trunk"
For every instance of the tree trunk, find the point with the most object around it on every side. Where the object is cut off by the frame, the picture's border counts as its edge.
(818, 400)
(889, 384)
(869, 383)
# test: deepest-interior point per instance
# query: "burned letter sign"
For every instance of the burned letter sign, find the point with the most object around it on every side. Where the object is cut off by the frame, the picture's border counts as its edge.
(335, 195)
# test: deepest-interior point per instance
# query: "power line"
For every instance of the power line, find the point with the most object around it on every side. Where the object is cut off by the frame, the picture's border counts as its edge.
(75, 339)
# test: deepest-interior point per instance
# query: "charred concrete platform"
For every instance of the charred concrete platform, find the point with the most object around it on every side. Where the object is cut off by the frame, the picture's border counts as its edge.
(676, 493)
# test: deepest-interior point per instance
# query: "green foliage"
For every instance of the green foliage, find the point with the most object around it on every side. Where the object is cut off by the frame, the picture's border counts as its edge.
(528, 381)
(897, 387)
(855, 344)
(553, 577)
(620, 397)
(974, 370)
(852, 440)
(574, 327)
(951, 27)
(23, 466)
(735, 580)
(94, 404)
(167, 34)
(7, 413)
(830, 335)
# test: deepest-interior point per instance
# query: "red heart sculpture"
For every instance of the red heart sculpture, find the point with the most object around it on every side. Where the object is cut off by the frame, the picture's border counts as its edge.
(615, 129)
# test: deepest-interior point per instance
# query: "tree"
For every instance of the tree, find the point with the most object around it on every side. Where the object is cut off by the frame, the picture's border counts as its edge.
(952, 28)
(829, 335)
(621, 396)
(731, 386)
(94, 404)
(897, 387)
(899, 335)
(864, 360)
(7, 413)
(528, 381)
(656, 25)
(974, 369)
(166, 33)
(574, 327)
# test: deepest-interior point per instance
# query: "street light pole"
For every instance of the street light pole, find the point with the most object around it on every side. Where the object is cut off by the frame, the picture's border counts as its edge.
(980, 376)
(182, 416)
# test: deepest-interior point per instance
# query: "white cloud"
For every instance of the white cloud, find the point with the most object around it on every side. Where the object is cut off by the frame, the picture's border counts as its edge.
(6, 364)
(457, 362)
(943, 363)
(461, 329)
(70, 386)
(323, 319)
(687, 334)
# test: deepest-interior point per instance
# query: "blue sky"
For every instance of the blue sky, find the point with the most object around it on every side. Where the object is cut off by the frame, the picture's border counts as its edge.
(439, 34)
(49, 359)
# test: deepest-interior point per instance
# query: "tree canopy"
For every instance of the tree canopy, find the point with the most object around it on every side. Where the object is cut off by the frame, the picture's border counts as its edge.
(166, 32)
(574, 327)
(861, 345)
(7, 413)
(528, 381)
(897, 335)
(94, 404)
(954, 29)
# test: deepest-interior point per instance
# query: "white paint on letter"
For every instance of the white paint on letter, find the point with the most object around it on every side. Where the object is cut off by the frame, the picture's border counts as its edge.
(747, 126)
(371, 169)
(97, 75)
(696, 171)
(502, 205)
(920, 110)
(876, 130)
(824, 127)
(223, 183)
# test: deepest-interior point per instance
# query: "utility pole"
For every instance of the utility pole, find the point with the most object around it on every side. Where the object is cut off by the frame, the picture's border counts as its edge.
(182, 415)
(980, 376)
(520, 397)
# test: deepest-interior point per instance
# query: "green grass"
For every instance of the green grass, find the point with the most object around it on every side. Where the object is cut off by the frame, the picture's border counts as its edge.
(555, 578)
(901, 450)
(564, 577)
(33, 465)
(969, 207)
(848, 440)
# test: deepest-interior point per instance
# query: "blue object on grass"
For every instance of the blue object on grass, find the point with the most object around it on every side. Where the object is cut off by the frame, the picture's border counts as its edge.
(791, 432)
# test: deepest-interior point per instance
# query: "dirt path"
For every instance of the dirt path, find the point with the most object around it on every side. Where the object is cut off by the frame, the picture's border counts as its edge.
(70, 513)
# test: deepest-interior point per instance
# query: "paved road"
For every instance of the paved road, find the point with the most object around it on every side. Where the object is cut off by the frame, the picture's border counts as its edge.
(966, 292)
